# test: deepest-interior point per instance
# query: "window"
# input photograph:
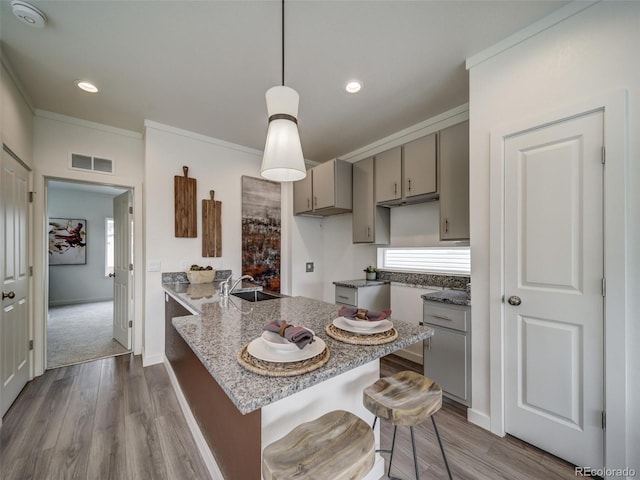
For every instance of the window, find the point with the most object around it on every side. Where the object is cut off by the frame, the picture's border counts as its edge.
(108, 251)
(442, 260)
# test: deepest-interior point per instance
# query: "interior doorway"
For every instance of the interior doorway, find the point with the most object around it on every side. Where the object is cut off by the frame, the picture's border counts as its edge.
(87, 245)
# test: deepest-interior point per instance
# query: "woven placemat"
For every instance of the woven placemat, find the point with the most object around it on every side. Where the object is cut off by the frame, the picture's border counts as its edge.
(284, 369)
(357, 339)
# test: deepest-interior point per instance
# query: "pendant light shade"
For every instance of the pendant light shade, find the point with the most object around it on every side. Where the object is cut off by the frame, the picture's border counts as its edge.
(283, 160)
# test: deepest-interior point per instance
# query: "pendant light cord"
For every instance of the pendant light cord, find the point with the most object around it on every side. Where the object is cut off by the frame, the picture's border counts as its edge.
(283, 43)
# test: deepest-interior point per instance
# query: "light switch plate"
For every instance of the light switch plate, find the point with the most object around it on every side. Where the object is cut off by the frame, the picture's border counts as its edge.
(154, 266)
(309, 266)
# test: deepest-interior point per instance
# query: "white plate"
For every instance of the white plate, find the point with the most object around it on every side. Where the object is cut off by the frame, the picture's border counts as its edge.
(381, 326)
(260, 349)
(361, 324)
(276, 342)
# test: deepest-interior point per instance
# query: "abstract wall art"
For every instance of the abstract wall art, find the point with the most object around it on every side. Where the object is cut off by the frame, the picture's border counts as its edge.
(261, 231)
(67, 241)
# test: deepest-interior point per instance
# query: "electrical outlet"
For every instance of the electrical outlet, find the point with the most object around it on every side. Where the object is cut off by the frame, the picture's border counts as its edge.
(309, 266)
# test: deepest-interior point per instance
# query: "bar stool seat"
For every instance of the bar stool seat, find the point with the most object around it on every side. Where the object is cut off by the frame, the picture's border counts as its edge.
(338, 446)
(405, 399)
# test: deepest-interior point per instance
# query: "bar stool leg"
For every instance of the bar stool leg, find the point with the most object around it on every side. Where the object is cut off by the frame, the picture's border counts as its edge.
(415, 457)
(444, 457)
(393, 446)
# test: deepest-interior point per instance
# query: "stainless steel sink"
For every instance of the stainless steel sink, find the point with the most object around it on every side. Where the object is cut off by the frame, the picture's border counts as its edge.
(256, 296)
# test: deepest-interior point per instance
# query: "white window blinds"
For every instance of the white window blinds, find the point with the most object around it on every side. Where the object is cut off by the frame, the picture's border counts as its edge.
(448, 260)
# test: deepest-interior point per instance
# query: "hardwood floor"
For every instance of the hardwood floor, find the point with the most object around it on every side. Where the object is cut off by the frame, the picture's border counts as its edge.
(105, 419)
(112, 419)
(472, 452)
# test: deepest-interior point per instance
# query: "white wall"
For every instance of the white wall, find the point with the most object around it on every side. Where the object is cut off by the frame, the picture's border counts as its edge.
(16, 117)
(591, 53)
(69, 284)
(217, 166)
(55, 137)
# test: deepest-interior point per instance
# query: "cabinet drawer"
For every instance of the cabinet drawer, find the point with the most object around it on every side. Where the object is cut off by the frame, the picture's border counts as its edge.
(449, 316)
(347, 295)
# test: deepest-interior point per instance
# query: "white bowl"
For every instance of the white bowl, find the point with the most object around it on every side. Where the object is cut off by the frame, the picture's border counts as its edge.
(362, 324)
(276, 342)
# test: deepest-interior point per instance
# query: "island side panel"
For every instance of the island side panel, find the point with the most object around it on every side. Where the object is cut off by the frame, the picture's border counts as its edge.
(233, 438)
(343, 392)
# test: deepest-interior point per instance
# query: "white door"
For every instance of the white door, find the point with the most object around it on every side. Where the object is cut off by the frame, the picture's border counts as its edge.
(14, 274)
(122, 281)
(553, 288)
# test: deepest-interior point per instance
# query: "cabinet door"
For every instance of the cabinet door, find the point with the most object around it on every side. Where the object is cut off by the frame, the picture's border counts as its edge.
(323, 185)
(420, 166)
(445, 361)
(363, 201)
(454, 182)
(302, 195)
(388, 175)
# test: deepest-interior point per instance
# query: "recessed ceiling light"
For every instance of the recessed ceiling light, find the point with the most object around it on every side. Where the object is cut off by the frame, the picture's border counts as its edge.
(28, 14)
(86, 86)
(353, 86)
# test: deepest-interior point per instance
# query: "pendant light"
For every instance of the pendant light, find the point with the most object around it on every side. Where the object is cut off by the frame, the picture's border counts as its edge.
(283, 160)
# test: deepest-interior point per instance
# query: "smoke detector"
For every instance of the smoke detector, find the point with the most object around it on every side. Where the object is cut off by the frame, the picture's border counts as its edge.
(28, 14)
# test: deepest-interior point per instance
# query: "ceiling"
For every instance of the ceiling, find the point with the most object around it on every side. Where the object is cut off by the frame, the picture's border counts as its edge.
(204, 66)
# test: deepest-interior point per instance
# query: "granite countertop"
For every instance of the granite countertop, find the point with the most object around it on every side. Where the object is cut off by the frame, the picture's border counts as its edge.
(224, 326)
(360, 283)
(454, 297)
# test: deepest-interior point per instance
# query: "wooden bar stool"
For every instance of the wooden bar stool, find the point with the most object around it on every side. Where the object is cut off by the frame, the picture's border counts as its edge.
(338, 446)
(406, 398)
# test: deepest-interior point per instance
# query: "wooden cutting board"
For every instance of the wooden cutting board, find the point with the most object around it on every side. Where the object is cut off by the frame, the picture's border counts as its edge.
(211, 227)
(184, 189)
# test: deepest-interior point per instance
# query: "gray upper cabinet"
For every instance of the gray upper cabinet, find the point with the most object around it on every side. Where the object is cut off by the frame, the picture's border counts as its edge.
(388, 175)
(407, 174)
(302, 195)
(454, 182)
(370, 222)
(326, 190)
(420, 166)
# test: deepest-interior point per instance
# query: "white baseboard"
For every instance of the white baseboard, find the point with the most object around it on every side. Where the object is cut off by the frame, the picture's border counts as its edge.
(78, 301)
(407, 355)
(478, 418)
(201, 443)
(148, 360)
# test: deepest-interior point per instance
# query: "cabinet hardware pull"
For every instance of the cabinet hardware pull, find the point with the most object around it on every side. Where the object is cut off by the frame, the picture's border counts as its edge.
(343, 297)
(308, 203)
(446, 225)
(409, 184)
(315, 202)
(10, 295)
(368, 232)
(395, 188)
(440, 317)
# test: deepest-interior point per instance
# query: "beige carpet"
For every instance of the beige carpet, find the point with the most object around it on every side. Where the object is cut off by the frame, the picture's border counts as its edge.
(78, 333)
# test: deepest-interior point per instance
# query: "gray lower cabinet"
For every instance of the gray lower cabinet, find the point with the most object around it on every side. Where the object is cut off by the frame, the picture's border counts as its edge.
(370, 222)
(372, 297)
(447, 355)
(454, 182)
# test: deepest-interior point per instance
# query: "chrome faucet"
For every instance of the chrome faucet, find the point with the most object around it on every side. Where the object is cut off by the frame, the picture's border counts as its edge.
(224, 286)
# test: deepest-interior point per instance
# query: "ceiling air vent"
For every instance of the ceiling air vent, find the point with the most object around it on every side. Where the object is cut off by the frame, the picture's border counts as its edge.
(95, 164)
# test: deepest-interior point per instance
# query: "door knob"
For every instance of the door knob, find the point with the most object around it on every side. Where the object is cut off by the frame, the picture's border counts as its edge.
(515, 301)
(112, 275)
(8, 295)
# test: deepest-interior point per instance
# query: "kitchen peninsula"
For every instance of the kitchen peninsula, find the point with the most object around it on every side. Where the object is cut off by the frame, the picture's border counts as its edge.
(240, 412)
